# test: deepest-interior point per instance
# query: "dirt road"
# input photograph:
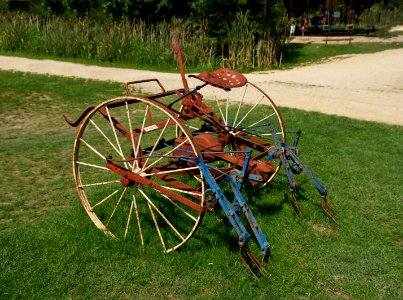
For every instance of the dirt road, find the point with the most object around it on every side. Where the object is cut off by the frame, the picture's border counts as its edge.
(364, 86)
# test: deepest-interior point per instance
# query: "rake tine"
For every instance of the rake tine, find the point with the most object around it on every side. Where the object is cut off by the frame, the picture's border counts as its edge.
(253, 260)
(328, 209)
(246, 264)
(295, 205)
(263, 260)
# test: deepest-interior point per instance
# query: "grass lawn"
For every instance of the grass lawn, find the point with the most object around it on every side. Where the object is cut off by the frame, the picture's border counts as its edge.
(49, 249)
(300, 54)
(293, 55)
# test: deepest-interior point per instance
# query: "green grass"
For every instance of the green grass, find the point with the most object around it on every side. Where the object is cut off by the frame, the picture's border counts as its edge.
(49, 248)
(300, 54)
(294, 55)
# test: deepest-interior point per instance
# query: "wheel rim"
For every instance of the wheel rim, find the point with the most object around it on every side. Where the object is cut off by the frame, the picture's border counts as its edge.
(135, 211)
(247, 110)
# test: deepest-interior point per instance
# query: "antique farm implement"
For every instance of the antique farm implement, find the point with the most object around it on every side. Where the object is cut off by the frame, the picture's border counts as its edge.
(147, 168)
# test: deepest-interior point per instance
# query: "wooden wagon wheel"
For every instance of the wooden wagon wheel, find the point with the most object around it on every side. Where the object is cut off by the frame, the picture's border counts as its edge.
(159, 197)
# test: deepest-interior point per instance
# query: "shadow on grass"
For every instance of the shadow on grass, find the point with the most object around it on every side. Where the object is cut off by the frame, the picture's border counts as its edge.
(293, 54)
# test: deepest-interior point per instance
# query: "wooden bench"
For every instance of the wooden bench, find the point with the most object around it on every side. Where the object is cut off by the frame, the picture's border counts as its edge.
(336, 39)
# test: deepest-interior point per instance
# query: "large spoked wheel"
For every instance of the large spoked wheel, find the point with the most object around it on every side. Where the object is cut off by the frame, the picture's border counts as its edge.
(245, 115)
(162, 203)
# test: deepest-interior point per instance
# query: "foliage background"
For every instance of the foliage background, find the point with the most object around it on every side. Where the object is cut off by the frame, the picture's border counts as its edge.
(238, 34)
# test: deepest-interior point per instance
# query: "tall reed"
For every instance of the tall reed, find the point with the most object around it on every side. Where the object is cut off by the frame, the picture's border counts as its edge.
(381, 17)
(137, 42)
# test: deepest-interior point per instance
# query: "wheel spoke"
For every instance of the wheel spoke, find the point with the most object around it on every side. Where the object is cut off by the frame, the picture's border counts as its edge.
(164, 156)
(91, 165)
(93, 149)
(253, 107)
(135, 162)
(136, 210)
(261, 120)
(221, 113)
(240, 104)
(105, 137)
(154, 220)
(116, 207)
(141, 133)
(106, 198)
(129, 217)
(156, 142)
(162, 215)
(193, 127)
(120, 152)
(181, 191)
(180, 208)
(98, 183)
(226, 111)
(171, 171)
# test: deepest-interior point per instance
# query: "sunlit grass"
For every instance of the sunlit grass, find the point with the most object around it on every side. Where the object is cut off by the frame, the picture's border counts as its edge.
(300, 54)
(49, 249)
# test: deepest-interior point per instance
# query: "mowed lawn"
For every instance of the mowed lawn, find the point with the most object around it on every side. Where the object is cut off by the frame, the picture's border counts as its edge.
(49, 249)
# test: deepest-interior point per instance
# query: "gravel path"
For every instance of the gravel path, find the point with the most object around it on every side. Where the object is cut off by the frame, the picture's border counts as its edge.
(364, 86)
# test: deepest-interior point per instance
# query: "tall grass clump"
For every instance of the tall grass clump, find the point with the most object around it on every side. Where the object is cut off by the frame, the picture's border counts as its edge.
(132, 42)
(381, 17)
(249, 46)
(136, 42)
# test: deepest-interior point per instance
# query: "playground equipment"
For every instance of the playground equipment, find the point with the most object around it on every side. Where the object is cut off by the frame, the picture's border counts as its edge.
(147, 168)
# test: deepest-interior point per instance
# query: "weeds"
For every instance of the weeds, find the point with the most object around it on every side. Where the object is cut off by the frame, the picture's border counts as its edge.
(136, 42)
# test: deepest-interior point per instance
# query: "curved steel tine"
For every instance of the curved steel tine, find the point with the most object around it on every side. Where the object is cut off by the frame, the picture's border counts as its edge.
(253, 260)
(295, 205)
(328, 209)
(263, 260)
(246, 264)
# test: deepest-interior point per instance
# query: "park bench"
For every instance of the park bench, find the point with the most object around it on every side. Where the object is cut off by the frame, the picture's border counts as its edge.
(337, 39)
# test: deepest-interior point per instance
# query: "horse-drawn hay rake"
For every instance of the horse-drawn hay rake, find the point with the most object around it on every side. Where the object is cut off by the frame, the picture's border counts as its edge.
(147, 168)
